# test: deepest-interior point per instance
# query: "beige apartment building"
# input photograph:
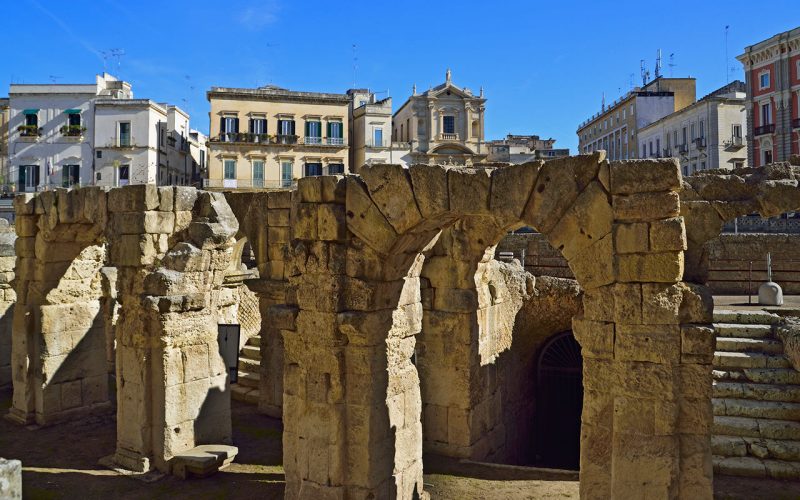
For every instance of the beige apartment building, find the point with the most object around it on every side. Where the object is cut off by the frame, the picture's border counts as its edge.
(616, 126)
(269, 137)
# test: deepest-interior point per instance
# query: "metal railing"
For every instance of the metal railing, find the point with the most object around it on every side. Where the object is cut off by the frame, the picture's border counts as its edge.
(764, 129)
(700, 142)
(449, 137)
(335, 141)
(734, 143)
(683, 148)
(248, 184)
(313, 140)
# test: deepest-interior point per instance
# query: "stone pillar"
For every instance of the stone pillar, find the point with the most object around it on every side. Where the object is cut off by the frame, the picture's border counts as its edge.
(171, 247)
(58, 345)
(647, 350)
(7, 298)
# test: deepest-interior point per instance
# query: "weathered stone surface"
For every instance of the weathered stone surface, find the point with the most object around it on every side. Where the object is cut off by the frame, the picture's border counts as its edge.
(646, 206)
(430, 189)
(644, 176)
(666, 267)
(365, 220)
(390, 188)
(632, 238)
(668, 235)
(588, 220)
(10, 479)
(511, 189)
(469, 190)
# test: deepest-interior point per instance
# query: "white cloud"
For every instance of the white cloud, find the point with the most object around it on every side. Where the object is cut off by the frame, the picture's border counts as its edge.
(259, 16)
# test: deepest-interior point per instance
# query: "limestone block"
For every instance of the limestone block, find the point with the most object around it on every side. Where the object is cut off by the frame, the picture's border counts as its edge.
(25, 204)
(390, 188)
(646, 206)
(134, 250)
(25, 225)
(702, 221)
(599, 303)
(309, 189)
(455, 299)
(10, 479)
(25, 247)
(469, 190)
(628, 303)
(184, 198)
(185, 257)
(95, 204)
(650, 343)
(661, 303)
(278, 217)
(143, 222)
(642, 176)
(634, 416)
(511, 189)
(694, 381)
(331, 222)
(558, 184)
(133, 198)
(697, 304)
(697, 343)
(631, 238)
(586, 221)
(430, 189)
(604, 175)
(279, 199)
(334, 189)
(596, 338)
(666, 267)
(306, 223)
(594, 266)
(365, 220)
(668, 235)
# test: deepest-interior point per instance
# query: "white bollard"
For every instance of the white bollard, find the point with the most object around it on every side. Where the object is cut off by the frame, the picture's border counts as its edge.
(770, 294)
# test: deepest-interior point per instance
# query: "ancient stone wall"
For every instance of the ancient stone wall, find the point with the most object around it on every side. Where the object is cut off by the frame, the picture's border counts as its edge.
(7, 298)
(170, 248)
(729, 257)
(352, 398)
(541, 259)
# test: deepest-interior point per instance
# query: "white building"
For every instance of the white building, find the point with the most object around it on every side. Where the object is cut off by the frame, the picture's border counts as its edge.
(371, 132)
(705, 135)
(51, 131)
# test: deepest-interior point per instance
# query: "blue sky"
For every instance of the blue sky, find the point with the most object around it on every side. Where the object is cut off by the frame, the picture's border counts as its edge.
(543, 65)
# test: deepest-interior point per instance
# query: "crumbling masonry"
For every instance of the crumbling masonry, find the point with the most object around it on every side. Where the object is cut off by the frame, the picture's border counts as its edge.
(381, 318)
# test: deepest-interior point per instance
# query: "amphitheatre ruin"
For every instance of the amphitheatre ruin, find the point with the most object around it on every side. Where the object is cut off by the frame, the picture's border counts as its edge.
(389, 333)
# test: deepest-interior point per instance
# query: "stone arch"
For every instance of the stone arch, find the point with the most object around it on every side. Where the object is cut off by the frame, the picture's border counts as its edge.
(171, 247)
(352, 396)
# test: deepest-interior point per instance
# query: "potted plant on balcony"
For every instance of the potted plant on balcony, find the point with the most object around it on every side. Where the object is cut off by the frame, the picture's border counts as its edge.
(72, 130)
(29, 130)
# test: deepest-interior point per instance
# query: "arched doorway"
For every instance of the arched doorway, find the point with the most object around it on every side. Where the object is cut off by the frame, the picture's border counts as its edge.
(559, 399)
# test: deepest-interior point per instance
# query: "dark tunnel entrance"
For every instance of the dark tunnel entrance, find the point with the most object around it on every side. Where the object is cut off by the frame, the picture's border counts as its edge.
(559, 400)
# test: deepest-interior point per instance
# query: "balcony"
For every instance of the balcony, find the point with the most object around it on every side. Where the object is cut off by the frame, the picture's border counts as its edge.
(29, 130)
(248, 184)
(796, 123)
(72, 130)
(335, 141)
(448, 137)
(285, 139)
(700, 142)
(243, 137)
(734, 144)
(683, 148)
(764, 129)
(311, 141)
(667, 153)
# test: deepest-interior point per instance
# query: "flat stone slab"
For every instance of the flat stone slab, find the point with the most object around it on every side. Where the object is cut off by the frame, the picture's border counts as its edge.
(10, 479)
(203, 460)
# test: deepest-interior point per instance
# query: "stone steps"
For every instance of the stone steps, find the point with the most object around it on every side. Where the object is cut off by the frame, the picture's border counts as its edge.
(247, 387)
(738, 317)
(779, 410)
(743, 331)
(760, 392)
(740, 344)
(756, 399)
(727, 359)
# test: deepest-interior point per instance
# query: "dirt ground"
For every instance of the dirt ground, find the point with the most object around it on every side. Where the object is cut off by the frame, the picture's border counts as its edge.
(60, 462)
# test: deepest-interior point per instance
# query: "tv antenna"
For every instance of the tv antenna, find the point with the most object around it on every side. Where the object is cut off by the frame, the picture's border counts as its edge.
(355, 65)
(630, 78)
(53, 78)
(658, 64)
(727, 71)
(113, 54)
(645, 73)
(671, 63)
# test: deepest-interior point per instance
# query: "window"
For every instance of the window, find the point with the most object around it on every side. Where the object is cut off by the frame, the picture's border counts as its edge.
(675, 137)
(31, 119)
(313, 132)
(449, 124)
(693, 135)
(702, 165)
(70, 175)
(378, 137)
(202, 160)
(767, 157)
(658, 147)
(737, 131)
(286, 173)
(229, 169)
(258, 173)
(228, 128)
(763, 80)
(313, 169)
(766, 114)
(335, 133)
(738, 164)
(74, 119)
(123, 175)
(361, 103)
(29, 177)
(644, 150)
(685, 170)
(335, 168)
(702, 129)
(683, 136)
(286, 127)
(258, 126)
(124, 134)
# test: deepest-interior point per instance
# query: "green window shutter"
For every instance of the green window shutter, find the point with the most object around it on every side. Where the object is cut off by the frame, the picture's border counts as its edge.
(308, 129)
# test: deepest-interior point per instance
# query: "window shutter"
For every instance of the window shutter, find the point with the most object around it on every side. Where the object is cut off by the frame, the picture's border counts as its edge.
(291, 127)
(329, 130)
(21, 175)
(236, 125)
(308, 128)
(222, 125)
(36, 176)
